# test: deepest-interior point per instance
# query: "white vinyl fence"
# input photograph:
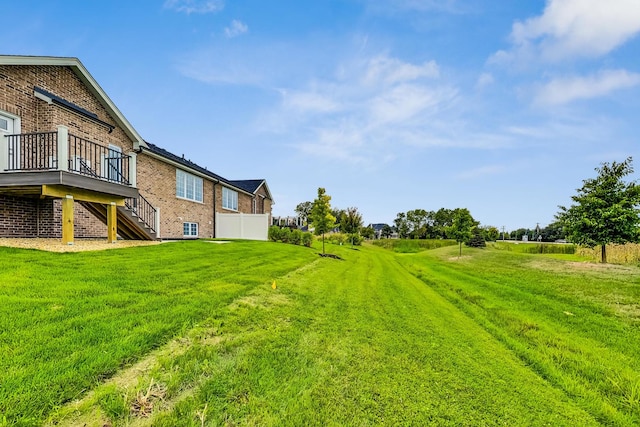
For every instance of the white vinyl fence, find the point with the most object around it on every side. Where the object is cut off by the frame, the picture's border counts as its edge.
(242, 226)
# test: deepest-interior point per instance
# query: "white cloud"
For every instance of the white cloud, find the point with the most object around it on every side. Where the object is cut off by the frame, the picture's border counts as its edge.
(236, 29)
(194, 6)
(382, 69)
(573, 28)
(369, 110)
(565, 90)
(308, 102)
(484, 80)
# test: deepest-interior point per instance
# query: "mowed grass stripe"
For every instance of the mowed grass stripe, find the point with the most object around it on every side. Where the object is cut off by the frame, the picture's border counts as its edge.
(576, 343)
(363, 342)
(67, 321)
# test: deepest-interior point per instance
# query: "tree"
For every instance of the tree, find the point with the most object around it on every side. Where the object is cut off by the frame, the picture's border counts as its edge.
(605, 209)
(387, 231)
(477, 239)
(553, 232)
(321, 217)
(303, 210)
(490, 233)
(351, 222)
(368, 232)
(461, 227)
(402, 227)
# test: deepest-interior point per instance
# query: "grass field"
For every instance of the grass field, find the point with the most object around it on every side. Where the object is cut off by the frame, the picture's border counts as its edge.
(196, 333)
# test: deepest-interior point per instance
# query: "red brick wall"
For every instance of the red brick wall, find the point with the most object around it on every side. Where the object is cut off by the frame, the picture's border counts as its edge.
(157, 183)
(17, 97)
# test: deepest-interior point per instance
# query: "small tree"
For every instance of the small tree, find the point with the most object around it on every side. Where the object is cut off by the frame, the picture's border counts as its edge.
(303, 210)
(351, 223)
(321, 217)
(477, 239)
(461, 227)
(605, 209)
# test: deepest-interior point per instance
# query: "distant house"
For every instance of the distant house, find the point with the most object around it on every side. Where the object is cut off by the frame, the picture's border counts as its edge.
(72, 166)
(377, 228)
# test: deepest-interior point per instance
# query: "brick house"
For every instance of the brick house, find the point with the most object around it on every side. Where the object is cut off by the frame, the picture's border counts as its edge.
(71, 165)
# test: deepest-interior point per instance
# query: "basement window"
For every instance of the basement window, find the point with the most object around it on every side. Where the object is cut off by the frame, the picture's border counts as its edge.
(190, 229)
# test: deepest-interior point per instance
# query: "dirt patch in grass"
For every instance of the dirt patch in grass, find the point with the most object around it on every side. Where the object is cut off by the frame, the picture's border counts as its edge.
(575, 266)
(79, 245)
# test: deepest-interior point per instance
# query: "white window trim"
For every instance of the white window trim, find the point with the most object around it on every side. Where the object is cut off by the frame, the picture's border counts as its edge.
(185, 187)
(191, 224)
(237, 200)
(17, 124)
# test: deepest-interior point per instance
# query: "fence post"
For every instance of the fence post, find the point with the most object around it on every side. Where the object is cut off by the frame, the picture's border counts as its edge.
(63, 148)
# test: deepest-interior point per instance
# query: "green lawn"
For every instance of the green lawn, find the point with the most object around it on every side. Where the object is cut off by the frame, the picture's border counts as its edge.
(193, 333)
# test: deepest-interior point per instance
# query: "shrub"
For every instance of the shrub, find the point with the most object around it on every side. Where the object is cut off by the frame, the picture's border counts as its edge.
(296, 237)
(307, 239)
(537, 248)
(355, 239)
(285, 235)
(477, 239)
(274, 233)
(412, 246)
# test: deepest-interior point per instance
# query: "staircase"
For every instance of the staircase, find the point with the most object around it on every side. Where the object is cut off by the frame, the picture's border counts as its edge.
(136, 219)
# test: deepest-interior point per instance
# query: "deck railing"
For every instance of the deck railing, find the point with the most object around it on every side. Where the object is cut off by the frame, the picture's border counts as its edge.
(98, 161)
(143, 210)
(43, 151)
(32, 151)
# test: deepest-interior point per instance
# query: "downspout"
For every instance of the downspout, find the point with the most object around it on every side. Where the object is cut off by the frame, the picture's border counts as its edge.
(214, 210)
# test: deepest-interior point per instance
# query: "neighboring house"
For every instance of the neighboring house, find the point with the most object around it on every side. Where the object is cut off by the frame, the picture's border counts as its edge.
(71, 165)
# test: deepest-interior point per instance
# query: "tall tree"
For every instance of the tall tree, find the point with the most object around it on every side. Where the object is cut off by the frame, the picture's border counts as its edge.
(321, 217)
(605, 209)
(387, 231)
(304, 210)
(402, 227)
(351, 223)
(461, 226)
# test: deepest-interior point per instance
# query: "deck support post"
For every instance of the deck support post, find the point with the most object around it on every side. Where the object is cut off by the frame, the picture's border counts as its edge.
(67, 220)
(112, 223)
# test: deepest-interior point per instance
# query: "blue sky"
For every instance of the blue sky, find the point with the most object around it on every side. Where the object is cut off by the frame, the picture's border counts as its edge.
(503, 107)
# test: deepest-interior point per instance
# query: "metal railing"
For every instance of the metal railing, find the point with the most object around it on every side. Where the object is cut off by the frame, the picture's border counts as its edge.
(40, 151)
(141, 208)
(100, 162)
(33, 151)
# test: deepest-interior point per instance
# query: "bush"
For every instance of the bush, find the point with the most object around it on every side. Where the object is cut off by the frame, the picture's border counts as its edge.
(412, 246)
(296, 237)
(355, 239)
(274, 233)
(307, 239)
(285, 235)
(477, 240)
(536, 248)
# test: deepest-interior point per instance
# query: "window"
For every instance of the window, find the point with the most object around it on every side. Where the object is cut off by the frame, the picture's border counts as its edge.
(229, 199)
(188, 186)
(190, 229)
(6, 123)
